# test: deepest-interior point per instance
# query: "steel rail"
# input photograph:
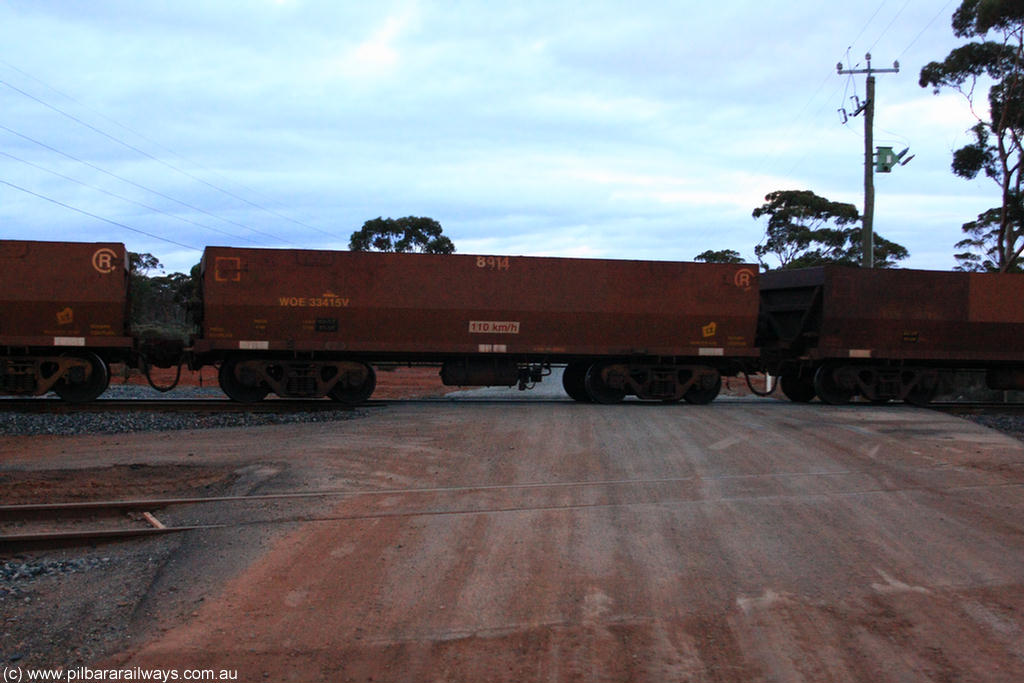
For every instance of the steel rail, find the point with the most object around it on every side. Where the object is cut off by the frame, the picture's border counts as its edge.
(224, 405)
(976, 407)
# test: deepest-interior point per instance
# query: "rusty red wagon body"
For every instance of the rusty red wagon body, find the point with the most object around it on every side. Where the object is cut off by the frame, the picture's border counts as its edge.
(301, 322)
(63, 316)
(836, 331)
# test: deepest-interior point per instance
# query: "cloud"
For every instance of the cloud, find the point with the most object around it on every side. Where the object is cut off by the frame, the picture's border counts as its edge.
(379, 54)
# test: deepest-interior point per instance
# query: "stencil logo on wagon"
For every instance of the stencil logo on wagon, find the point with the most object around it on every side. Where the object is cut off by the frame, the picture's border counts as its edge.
(104, 260)
(743, 278)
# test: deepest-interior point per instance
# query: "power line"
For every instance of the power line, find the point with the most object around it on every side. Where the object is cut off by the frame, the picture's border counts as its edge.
(142, 152)
(126, 199)
(771, 161)
(886, 30)
(141, 187)
(99, 218)
(926, 27)
(868, 22)
(117, 123)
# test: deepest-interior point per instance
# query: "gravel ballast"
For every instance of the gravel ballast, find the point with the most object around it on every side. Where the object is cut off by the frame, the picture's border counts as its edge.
(95, 420)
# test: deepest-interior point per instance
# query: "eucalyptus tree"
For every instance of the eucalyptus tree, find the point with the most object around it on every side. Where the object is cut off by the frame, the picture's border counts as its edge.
(805, 229)
(995, 57)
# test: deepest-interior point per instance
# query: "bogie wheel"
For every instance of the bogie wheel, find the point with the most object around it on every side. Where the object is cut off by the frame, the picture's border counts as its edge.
(704, 390)
(353, 396)
(236, 389)
(599, 390)
(797, 389)
(574, 381)
(828, 389)
(921, 394)
(89, 388)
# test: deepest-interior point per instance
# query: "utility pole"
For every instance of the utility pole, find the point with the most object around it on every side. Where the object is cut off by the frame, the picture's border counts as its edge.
(868, 108)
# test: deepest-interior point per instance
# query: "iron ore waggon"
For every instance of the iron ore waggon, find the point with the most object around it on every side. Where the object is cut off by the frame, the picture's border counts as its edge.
(305, 323)
(837, 332)
(63, 317)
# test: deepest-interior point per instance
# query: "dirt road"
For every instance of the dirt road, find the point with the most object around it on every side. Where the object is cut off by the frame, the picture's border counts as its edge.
(741, 541)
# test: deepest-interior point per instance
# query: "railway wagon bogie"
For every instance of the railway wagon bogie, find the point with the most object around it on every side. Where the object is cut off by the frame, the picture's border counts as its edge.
(76, 377)
(836, 383)
(250, 379)
(611, 381)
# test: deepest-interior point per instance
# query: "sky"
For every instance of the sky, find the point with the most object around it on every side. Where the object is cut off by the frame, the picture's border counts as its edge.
(636, 130)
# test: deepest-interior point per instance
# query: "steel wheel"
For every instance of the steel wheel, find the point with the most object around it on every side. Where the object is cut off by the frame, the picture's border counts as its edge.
(252, 391)
(828, 389)
(797, 389)
(90, 387)
(599, 390)
(353, 396)
(704, 390)
(574, 381)
(921, 395)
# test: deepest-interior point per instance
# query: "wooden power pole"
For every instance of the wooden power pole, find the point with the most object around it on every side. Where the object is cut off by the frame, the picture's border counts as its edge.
(868, 109)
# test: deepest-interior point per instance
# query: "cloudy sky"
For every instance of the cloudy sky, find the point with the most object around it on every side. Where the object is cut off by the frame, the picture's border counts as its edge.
(604, 129)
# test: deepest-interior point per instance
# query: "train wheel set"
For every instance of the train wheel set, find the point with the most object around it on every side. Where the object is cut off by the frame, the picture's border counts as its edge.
(249, 380)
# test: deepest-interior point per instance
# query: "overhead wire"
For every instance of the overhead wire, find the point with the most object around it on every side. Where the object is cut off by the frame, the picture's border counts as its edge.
(868, 22)
(162, 162)
(125, 199)
(888, 26)
(795, 124)
(140, 186)
(926, 27)
(98, 217)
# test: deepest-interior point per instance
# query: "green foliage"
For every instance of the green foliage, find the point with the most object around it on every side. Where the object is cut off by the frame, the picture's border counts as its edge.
(160, 304)
(995, 240)
(805, 230)
(140, 264)
(981, 249)
(720, 256)
(409, 234)
(978, 17)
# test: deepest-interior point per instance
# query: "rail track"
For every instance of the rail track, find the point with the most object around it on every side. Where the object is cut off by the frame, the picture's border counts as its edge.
(281, 405)
(93, 522)
(90, 522)
(978, 408)
(200, 405)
